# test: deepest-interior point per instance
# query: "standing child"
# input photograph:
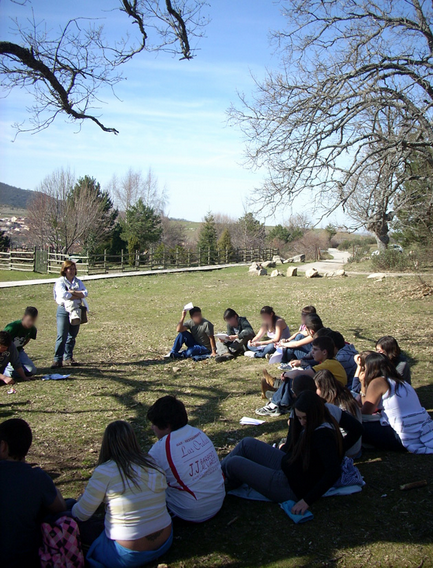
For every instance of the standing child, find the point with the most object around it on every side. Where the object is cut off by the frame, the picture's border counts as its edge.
(22, 331)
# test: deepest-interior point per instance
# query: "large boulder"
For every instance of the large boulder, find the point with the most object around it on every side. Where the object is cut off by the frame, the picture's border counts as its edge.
(276, 273)
(292, 271)
(277, 259)
(329, 274)
(255, 266)
(340, 273)
(376, 276)
(299, 258)
(261, 272)
(269, 264)
(312, 273)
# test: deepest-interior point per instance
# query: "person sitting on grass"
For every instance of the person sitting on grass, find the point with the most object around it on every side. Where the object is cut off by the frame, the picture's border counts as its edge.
(387, 345)
(323, 352)
(333, 393)
(314, 325)
(350, 427)
(138, 528)
(345, 355)
(239, 331)
(304, 471)
(402, 422)
(197, 334)
(298, 345)
(274, 328)
(188, 458)
(27, 494)
(9, 356)
(22, 331)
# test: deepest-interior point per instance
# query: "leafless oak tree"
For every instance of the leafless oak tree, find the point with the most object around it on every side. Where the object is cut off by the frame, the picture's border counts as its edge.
(320, 125)
(60, 219)
(65, 69)
(131, 187)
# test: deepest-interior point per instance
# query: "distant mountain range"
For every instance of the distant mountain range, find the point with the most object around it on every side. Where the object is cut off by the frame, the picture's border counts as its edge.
(16, 197)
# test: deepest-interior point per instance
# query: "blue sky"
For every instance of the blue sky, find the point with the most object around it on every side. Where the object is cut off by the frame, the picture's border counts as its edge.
(171, 114)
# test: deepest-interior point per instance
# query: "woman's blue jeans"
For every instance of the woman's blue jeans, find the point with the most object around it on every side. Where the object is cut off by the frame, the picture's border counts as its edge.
(263, 350)
(66, 336)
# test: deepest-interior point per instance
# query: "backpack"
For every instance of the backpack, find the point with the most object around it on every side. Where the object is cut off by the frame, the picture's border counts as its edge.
(61, 544)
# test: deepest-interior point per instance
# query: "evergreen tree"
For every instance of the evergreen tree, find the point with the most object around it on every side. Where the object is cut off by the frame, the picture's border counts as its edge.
(141, 227)
(225, 245)
(208, 240)
(5, 241)
(279, 234)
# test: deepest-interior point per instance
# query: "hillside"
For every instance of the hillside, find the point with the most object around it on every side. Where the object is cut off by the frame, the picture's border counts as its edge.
(15, 197)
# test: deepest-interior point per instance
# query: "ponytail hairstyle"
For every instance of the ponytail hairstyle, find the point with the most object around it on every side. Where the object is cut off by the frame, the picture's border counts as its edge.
(120, 444)
(333, 392)
(302, 439)
(378, 365)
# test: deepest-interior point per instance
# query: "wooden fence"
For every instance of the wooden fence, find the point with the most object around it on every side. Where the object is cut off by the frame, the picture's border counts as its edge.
(161, 257)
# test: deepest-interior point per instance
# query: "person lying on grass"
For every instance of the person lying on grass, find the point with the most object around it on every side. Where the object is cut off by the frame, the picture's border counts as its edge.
(9, 356)
(323, 352)
(187, 456)
(138, 528)
(239, 332)
(273, 329)
(21, 332)
(402, 423)
(27, 494)
(304, 471)
(298, 345)
(197, 334)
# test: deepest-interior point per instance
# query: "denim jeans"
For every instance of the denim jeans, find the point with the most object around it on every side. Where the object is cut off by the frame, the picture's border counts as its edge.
(66, 336)
(381, 437)
(263, 350)
(297, 353)
(258, 465)
(192, 347)
(283, 396)
(107, 553)
(27, 364)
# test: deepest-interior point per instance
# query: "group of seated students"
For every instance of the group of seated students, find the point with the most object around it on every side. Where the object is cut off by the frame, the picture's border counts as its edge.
(142, 492)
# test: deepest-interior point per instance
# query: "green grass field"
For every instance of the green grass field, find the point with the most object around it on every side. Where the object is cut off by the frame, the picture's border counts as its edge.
(132, 325)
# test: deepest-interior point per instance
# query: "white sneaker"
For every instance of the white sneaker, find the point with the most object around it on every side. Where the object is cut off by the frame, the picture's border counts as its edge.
(249, 354)
(168, 356)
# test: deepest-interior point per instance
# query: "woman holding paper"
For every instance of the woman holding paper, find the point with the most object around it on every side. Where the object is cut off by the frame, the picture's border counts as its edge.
(305, 471)
(274, 328)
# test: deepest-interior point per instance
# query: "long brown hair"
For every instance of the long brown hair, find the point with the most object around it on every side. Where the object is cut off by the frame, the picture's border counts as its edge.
(333, 392)
(302, 438)
(120, 444)
(389, 345)
(378, 365)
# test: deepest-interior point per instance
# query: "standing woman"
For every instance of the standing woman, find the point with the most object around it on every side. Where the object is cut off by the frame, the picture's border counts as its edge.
(274, 328)
(138, 527)
(68, 291)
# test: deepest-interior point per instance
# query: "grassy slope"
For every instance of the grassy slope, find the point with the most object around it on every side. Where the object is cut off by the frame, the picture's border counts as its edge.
(132, 326)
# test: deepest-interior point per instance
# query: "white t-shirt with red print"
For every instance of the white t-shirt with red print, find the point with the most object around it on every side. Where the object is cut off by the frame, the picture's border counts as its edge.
(195, 481)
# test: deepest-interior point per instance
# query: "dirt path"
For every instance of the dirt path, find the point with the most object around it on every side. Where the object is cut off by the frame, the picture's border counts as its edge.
(337, 263)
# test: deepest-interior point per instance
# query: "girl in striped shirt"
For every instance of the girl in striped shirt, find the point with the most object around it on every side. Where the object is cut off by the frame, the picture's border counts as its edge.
(138, 528)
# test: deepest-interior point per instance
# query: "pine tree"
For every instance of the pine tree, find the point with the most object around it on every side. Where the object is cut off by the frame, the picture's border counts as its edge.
(225, 246)
(141, 227)
(208, 240)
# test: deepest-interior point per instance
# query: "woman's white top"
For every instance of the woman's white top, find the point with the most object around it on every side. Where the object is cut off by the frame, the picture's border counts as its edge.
(285, 334)
(63, 287)
(130, 512)
(402, 410)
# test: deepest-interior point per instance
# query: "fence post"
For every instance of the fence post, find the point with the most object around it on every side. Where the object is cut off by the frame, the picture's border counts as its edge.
(137, 260)
(163, 256)
(199, 256)
(105, 261)
(121, 260)
(151, 257)
(189, 258)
